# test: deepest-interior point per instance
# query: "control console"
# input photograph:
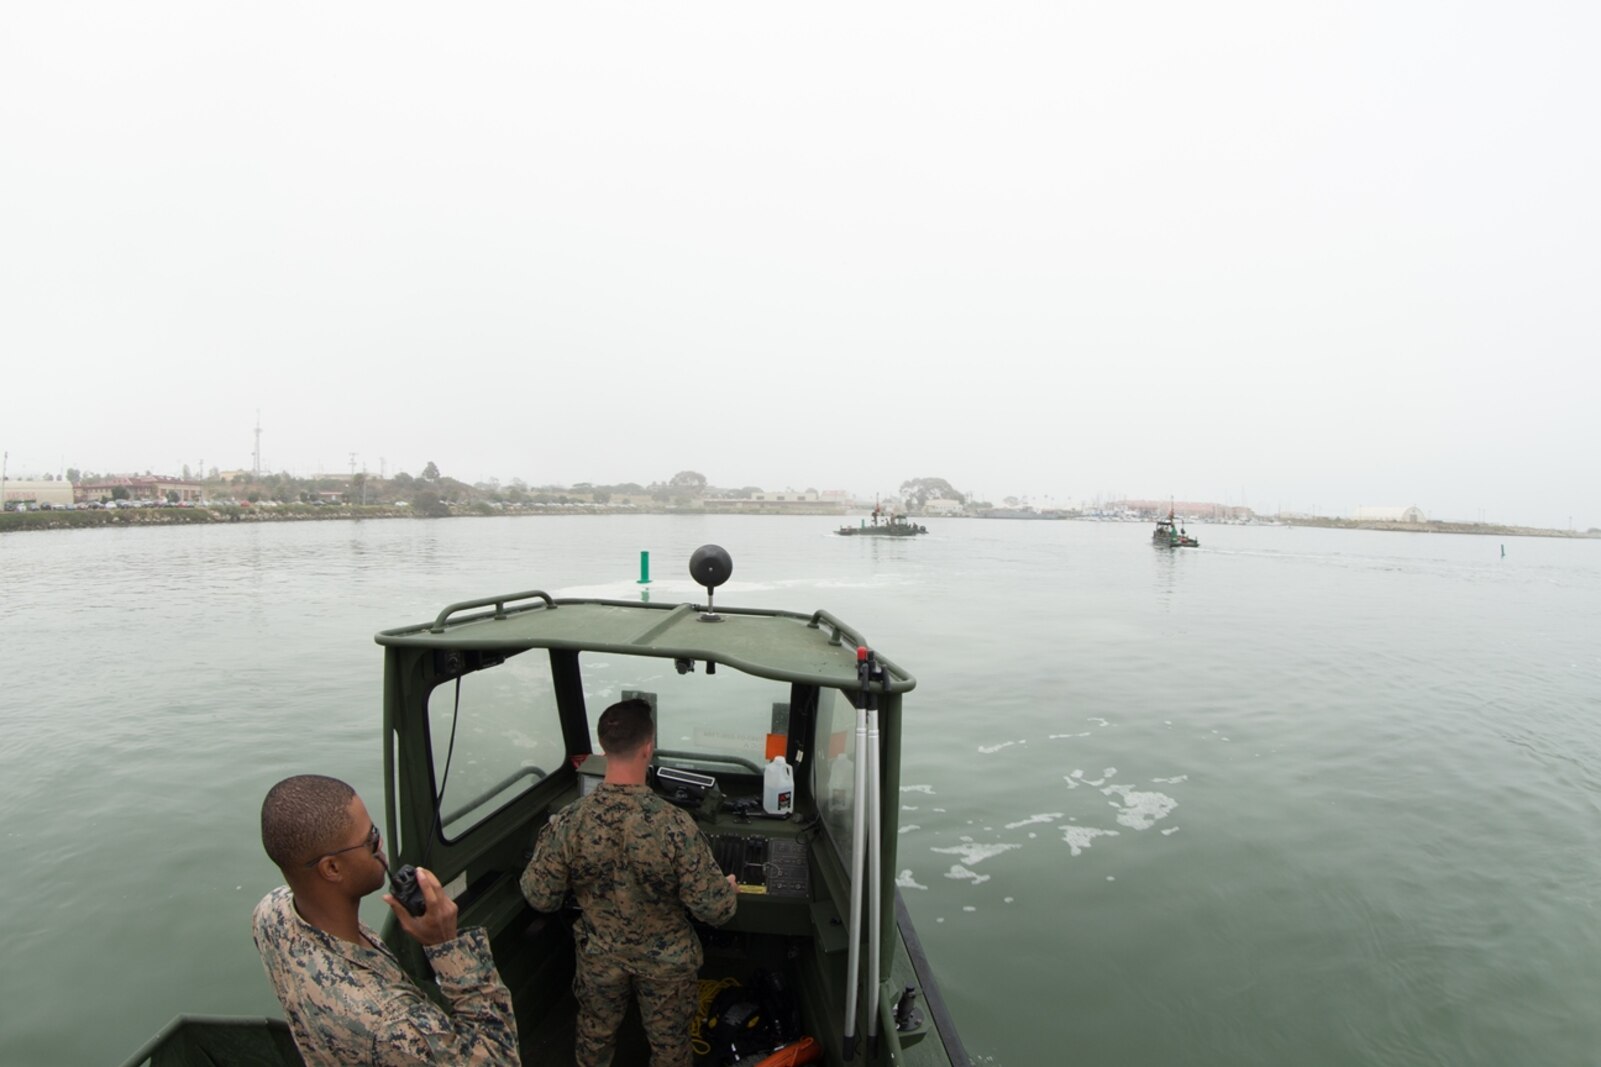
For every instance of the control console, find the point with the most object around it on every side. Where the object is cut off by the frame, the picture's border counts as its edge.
(773, 866)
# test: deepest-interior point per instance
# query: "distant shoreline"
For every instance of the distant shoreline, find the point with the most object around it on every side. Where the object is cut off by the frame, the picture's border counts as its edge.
(176, 516)
(1478, 528)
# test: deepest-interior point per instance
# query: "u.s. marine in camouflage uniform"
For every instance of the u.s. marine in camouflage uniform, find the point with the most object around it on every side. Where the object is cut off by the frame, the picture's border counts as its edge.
(344, 994)
(635, 863)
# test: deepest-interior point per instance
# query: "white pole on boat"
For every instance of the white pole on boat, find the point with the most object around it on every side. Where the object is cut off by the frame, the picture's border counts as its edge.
(853, 959)
(876, 865)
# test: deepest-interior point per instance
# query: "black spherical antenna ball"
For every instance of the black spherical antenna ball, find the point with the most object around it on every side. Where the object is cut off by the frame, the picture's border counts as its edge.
(711, 565)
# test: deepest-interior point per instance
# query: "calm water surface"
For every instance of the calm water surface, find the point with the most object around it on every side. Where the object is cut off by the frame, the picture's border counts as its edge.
(1299, 796)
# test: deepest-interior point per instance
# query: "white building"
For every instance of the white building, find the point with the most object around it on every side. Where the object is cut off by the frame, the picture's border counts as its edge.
(786, 496)
(1389, 514)
(31, 491)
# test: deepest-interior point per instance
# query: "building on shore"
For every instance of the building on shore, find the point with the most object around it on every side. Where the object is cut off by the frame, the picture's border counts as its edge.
(35, 491)
(139, 487)
(1194, 509)
(781, 502)
(1367, 513)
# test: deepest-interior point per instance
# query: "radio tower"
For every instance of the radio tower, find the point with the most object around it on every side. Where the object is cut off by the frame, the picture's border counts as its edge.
(256, 456)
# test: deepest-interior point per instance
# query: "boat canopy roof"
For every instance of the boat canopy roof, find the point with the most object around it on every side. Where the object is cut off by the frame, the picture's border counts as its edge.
(785, 646)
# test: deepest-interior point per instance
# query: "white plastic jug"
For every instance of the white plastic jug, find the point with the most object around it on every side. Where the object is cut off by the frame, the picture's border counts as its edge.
(778, 787)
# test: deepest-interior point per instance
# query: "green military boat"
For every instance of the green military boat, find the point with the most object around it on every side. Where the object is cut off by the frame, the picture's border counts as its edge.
(488, 729)
(894, 524)
(1168, 534)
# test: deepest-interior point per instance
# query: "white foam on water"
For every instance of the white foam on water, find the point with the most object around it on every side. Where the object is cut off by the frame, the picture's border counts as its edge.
(1079, 838)
(909, 828)
(913, 807)
(1076, 773)
(1172, 781)
(940, 810)
(1059, 737)
(1032, 835)
(992, 749)
(1008, 900)
(918, 789)
(1046, 816)
(518, 739)
(1170, 831)
(904, 880)
(1111, 878)
(1139, 810)
(960, 873)
(1097, 720)
(968, 907)
(974, 853)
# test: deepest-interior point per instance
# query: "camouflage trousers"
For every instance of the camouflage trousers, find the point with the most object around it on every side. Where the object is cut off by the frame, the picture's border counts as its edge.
(666, 1007)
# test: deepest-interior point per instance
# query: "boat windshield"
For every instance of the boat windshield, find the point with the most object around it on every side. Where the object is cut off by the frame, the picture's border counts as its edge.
(507, 736)
(834, 769)
(507, 731)
(711, 723)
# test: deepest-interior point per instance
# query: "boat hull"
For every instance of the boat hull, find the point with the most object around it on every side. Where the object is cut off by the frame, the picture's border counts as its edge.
(881, 531)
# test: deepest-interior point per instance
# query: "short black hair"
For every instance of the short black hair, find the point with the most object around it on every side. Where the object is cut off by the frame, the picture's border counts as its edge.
(303, 817)
(624, 727)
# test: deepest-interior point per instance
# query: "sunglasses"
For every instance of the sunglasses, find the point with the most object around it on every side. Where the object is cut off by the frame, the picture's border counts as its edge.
(370, 843)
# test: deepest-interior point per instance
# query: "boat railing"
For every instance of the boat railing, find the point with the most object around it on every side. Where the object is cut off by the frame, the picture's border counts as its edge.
(505, 783)
(498, 602)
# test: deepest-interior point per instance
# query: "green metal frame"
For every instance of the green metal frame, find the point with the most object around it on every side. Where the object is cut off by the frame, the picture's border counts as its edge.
(810, 652)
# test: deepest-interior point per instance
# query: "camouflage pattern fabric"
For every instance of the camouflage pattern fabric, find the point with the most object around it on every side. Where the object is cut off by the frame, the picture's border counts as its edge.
(635, 863)
(350, 1004)
(666, 1008)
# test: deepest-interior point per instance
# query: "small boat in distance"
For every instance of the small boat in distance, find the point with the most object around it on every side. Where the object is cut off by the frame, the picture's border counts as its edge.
(1169, 535)
(893, 525)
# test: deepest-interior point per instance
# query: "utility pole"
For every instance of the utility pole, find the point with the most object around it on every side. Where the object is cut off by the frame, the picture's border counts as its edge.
(256, 456)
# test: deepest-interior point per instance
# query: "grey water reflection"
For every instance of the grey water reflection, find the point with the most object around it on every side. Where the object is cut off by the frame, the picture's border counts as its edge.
(1269, 797)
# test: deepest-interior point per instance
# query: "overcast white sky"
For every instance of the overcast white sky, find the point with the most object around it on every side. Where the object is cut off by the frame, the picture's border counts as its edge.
(1307, 255)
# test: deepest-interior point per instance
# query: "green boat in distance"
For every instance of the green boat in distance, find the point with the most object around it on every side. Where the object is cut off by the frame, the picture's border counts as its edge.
(488, 728)
(1169, 535)
(893, 525)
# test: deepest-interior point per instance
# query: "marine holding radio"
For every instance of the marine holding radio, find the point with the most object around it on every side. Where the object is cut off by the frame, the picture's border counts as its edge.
(343, 992)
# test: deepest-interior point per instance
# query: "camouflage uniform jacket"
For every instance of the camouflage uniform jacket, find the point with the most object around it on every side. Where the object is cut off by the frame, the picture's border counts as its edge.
(349, 1003)
(635, 863)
